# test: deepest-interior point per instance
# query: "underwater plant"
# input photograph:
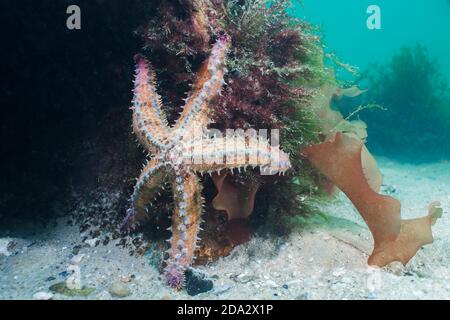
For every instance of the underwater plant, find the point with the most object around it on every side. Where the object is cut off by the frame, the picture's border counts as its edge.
(416, 98)
(340, 160)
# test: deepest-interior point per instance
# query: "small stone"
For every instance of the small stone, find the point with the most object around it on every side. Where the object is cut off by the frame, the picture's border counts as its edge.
(388, 189)
(51, 278)
(77, 259)
(126, 279)
(302, 296)
(221, 289)
(371, 296)
(285, 286)
(92, 242)
(43, 296)
(271, 283)
(396, 268)
(339, 272)
(104, 295)
(5, 246)
(165, 296)
(64, 274)
(243, 278)
(76, 249)
(197, 283)
(119, 290)
(73, 282)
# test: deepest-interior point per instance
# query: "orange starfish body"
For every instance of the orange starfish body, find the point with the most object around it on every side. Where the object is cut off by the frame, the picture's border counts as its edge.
(180, 151)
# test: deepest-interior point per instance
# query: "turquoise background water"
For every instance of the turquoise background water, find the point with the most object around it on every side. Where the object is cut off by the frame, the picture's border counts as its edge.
(404, 22)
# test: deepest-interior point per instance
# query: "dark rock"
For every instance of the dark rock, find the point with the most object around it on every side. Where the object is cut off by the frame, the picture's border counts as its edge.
(76, 249)
(197, 283)
(285, 286)
(106, 241)
(50, 279)
(95, 233)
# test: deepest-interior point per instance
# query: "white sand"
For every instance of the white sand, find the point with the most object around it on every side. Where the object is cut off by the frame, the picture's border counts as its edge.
(320, 260)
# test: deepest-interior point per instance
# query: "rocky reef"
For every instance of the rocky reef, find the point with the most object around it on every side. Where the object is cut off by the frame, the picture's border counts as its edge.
(226, 64)
(275, 78)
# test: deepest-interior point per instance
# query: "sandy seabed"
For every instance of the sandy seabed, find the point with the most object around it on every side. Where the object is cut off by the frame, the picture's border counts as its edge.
(324, 258)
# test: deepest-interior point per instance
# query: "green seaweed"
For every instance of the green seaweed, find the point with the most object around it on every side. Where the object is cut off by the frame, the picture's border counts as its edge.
(62, 288)
(416, 98)
(275, 66)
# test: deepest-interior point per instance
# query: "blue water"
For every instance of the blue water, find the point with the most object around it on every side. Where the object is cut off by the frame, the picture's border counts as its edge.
(403, 22)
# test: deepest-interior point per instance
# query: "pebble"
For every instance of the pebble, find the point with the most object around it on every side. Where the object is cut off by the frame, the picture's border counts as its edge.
(271, 283)
(197, 283)
(371, 296)
(221, 289)
(104, 295)
(64, 274)
(5, 244)
(338, 272)
(388, 189)
(73, 282)
(76, 249)
(119, 290)
(396, 268)
(92, 242)
(302, 296)
(77, 259)
(43, 296)
(126, 279)
(243, 278)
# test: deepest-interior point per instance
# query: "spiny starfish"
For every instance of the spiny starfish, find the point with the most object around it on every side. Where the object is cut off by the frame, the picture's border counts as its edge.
(176, 152)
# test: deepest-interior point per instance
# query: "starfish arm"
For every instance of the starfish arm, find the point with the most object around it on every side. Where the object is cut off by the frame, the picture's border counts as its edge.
(146, 189)
(207, 87)
(149, 120)
(216, 154)
(186, 222)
